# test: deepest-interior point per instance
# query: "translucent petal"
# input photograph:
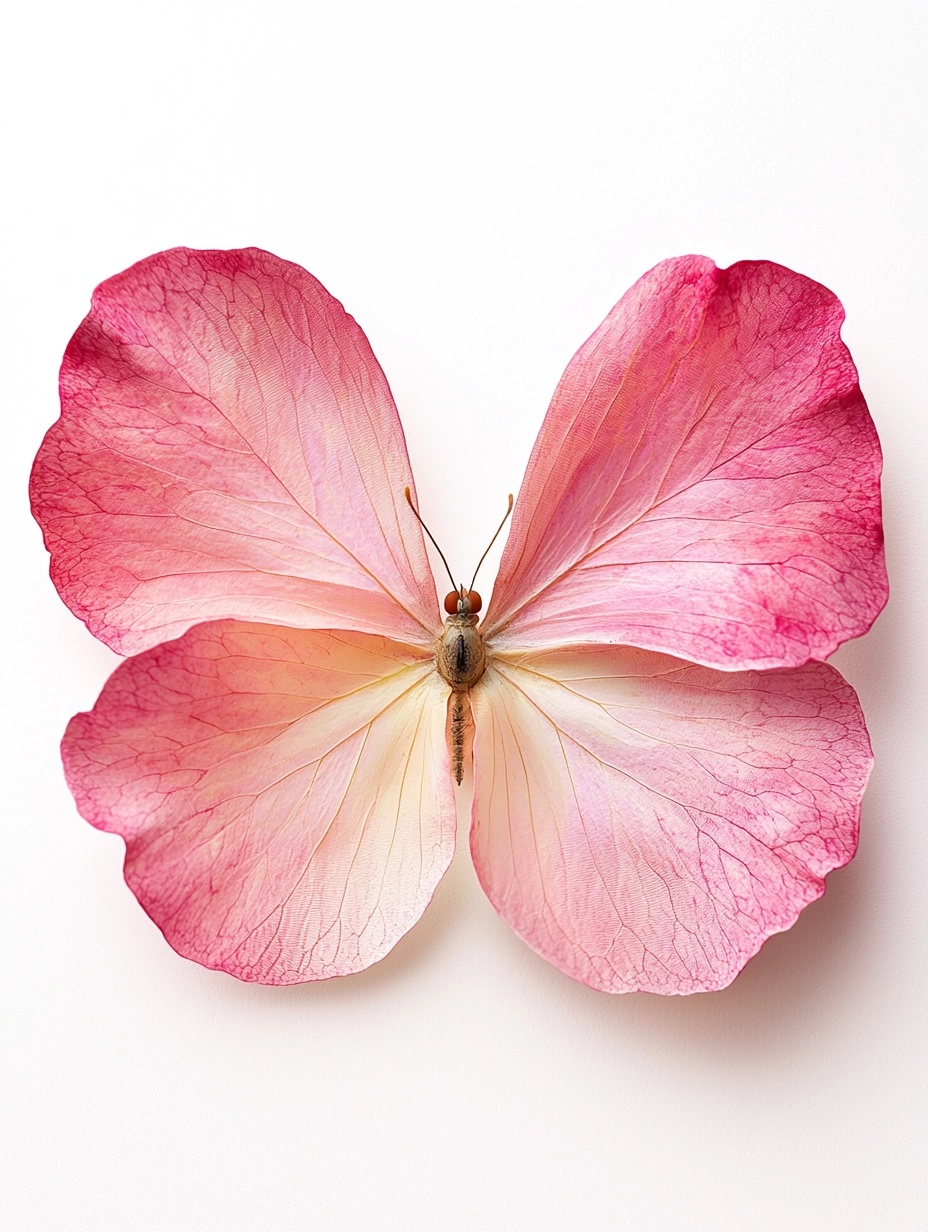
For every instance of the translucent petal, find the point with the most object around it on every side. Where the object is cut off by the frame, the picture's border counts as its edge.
(228, 447)
(284, 794)
(706, 481)
(645, 823)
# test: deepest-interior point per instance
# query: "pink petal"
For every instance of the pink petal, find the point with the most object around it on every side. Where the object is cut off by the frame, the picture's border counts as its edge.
(706, 481)
(228, 446)
(284, 795)
(644, 823)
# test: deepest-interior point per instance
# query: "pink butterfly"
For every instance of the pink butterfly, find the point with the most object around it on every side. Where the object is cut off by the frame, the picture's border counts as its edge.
(664, 769)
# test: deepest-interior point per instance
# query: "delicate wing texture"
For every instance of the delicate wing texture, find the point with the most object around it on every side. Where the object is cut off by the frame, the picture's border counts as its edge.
(284, 794)
(706, 481)
(228, 446)
(644, 823)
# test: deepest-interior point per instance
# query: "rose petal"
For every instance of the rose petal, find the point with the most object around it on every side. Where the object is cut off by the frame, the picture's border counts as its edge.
(644, 823)
(706, 481)
(228, 446)
(284, 795)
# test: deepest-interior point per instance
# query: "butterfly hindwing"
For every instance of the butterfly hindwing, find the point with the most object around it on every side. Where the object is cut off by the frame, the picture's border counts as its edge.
(645, 823)
(285, 795)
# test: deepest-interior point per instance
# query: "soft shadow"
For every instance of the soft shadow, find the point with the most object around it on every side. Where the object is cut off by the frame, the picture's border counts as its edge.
(793, 989)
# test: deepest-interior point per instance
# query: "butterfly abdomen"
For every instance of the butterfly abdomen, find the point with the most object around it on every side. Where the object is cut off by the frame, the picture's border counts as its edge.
(458, 730)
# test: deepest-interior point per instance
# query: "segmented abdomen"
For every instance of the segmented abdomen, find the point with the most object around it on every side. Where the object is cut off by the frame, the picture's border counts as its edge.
(458, 727)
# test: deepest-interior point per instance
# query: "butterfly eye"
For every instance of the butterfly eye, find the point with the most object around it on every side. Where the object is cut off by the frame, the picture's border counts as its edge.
(476, 603)
(451, 603)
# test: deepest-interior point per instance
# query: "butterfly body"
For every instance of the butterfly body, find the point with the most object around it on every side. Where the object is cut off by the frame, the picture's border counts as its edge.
(461, 660)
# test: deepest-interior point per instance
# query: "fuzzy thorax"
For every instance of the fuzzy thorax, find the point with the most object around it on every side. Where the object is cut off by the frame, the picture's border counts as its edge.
(461, 657)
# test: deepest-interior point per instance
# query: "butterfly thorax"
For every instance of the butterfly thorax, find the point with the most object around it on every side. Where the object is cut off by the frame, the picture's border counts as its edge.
(461, 657)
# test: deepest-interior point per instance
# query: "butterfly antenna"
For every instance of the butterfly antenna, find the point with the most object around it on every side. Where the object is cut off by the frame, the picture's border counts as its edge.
(432, 537)
(492, 541)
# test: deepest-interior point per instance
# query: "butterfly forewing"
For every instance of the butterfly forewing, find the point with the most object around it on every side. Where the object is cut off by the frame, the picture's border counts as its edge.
(228, 447)
(706, 481)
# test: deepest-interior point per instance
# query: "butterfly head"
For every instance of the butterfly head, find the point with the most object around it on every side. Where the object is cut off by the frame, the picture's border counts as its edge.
(463, 602)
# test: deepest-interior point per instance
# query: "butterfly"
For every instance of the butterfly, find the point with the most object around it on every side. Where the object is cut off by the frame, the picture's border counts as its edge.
(664, 768)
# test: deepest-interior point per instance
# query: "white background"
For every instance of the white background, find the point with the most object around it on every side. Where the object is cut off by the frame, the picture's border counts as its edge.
(478, 184)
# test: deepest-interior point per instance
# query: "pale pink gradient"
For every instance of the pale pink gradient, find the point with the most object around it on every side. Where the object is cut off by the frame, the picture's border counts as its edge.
(228, 447)
(645, 823)
(706, 481)
(285, 795)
